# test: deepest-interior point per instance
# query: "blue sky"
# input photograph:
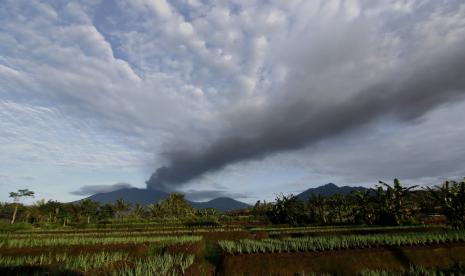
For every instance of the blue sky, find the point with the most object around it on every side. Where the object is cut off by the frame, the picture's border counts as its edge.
(97, 93)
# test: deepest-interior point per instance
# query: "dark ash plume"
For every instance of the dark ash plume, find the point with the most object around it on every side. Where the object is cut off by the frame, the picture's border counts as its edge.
(420, 86)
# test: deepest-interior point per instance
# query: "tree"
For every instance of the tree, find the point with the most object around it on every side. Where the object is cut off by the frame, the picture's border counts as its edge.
(139, 210)
(122, 206)
(338, 207)
(287, 209)
(89, 208)
(393, 204)
(17, 198)
(174, 206)
(106, 211)
(364, 209)
(318, 206)
(451, 197)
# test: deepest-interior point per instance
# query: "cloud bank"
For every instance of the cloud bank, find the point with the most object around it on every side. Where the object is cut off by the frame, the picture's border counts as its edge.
(88, 190)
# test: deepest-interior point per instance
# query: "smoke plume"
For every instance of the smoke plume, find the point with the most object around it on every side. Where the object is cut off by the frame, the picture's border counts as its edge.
(417, 86)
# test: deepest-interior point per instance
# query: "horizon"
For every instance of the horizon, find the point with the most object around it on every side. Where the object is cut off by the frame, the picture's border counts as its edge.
(33, 200)
(239, 99)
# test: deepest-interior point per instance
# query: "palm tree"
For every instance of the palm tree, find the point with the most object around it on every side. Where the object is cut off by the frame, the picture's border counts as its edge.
(122, 206)
(89, 208)
(139, 210)
(153, 209)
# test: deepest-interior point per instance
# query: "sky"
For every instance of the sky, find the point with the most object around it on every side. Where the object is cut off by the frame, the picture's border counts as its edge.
(239, 98)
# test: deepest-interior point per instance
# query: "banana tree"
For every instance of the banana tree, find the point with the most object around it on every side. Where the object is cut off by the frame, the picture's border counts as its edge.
(394, 205)
(451, 198)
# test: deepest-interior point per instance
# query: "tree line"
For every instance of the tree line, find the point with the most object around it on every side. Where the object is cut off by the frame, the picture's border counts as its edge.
(87, 211)
(386, 204)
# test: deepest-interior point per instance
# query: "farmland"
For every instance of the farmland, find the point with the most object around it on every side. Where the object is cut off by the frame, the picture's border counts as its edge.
(218, 250)
(287, 237)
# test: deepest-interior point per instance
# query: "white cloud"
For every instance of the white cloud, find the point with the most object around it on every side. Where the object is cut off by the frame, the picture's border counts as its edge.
(40, 135)
(83, 85)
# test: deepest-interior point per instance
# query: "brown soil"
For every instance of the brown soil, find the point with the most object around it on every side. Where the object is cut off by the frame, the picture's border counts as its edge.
(184, 248)
(343, 262)
(234, 235)
(136, 250)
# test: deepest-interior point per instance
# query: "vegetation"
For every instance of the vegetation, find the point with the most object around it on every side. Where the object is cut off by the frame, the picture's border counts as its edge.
(56, 241)
(385, 205)
(65, 261)
(162, 265)
(16, 198)
(456, 269)
(337, 242)
(451, 199)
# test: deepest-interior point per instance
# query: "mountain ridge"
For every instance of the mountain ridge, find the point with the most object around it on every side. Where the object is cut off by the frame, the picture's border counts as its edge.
(223, 204)
(329, 189)
(148, 196)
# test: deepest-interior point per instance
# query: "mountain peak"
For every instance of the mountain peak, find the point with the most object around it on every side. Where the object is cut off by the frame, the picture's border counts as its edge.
(330, 184)
(329, 189)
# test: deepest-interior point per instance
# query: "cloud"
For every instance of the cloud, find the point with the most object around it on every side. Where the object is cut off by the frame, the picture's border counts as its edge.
(32, 134)
(97, 189)
(314, 109)
(194, 87)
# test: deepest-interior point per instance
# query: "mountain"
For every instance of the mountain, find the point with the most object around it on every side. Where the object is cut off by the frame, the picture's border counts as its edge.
(221, 204)
(146, 196)
(329, 190)
(133, 195)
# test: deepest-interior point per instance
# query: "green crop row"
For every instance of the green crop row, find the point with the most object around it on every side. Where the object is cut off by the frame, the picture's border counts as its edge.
(57, 241)
(340, 228)
(456, 269)
(353, 229)
(164, 264)
(64, 261)
(338, 242)
(135, 228)
(158, 265)
(114, 233)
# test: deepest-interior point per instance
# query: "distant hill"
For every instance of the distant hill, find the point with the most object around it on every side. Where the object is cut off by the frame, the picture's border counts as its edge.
(146, 196)
(133, 195)
(222, 204)
(329, 190)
